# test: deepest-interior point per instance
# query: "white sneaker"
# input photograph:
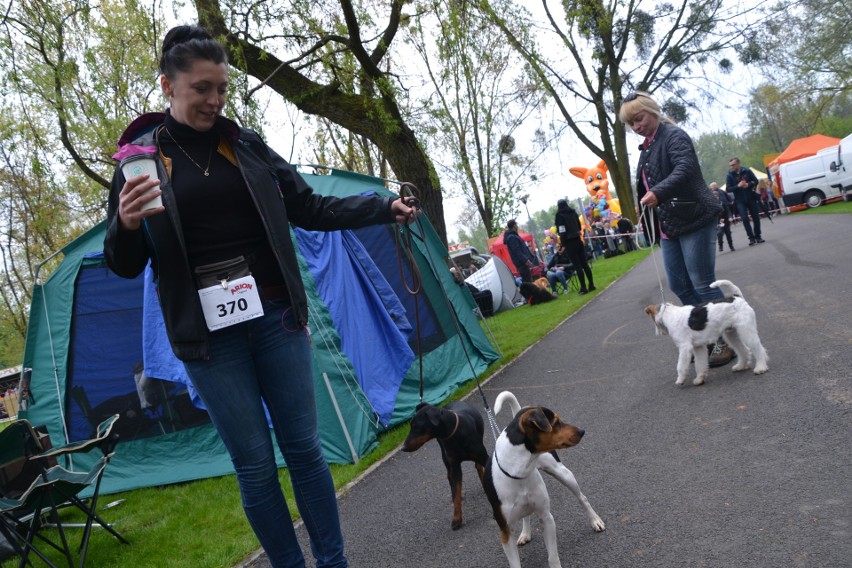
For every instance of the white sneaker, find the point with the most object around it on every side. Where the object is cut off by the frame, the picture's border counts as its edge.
(564, 291)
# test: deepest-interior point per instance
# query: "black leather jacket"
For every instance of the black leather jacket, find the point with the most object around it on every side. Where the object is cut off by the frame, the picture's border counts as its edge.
(282, 197)
(674, 175)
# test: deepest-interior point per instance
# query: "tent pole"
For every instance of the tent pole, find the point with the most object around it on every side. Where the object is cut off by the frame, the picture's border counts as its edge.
(481, 317)
(340, 417)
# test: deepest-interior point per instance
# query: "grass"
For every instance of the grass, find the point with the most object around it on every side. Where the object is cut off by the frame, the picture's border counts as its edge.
(831, 208)
(201, 524)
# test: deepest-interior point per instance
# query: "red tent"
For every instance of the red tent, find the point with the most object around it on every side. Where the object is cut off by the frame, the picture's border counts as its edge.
(497, 248)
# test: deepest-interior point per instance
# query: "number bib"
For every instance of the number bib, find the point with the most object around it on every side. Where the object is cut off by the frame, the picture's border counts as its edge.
(233, 302)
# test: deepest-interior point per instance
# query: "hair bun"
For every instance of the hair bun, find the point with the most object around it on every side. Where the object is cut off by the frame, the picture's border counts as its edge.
(182, 34)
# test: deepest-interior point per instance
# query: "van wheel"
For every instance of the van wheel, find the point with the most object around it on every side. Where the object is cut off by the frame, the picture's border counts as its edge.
(813, 198)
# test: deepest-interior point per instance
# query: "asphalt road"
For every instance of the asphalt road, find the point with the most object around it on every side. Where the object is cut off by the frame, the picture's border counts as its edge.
(744, 471)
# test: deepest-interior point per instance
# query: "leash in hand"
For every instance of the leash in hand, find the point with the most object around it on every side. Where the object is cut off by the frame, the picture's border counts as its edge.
(647, 218)
(405, 236)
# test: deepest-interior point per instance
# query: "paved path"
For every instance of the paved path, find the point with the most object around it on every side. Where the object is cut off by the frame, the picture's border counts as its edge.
(744, 471)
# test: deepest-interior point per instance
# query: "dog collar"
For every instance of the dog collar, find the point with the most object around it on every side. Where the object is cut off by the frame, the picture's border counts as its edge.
(454, 429)
(503, 470)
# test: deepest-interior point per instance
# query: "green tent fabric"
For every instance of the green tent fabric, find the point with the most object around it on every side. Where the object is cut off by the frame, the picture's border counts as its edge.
(153, 454)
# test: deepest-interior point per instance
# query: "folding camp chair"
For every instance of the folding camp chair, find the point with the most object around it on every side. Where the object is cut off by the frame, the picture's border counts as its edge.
(32, 488)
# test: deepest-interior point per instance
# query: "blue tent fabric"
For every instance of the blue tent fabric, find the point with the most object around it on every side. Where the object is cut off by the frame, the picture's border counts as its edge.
(106, 341)
(158, 358)
(356, 294)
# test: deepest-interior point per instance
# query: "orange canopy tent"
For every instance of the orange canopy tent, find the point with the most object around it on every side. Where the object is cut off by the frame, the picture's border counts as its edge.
(798, 149)
(804, 147)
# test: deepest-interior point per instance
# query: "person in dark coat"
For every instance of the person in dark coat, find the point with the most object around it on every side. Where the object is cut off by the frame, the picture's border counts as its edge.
(742, 184)
(724, 228)
(220, 237)
(519, 252)
(669, 180)
(568, 228)
(625, 229)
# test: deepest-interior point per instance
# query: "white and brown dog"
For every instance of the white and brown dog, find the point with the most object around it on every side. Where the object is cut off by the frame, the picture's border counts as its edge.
(512, 480)
(693, 328)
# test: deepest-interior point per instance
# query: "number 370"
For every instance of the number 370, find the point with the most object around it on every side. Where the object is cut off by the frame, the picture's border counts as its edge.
(230, 307)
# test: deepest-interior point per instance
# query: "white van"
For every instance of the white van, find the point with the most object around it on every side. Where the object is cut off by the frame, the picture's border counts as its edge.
(810, 180)
(840, 169)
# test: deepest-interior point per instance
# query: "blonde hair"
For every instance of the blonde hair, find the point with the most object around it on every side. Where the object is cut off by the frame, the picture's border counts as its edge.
(640, 101)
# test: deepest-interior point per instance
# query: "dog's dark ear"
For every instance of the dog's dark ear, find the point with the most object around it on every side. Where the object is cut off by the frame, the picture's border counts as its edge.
(421, 405)
(538, 419)
(434, 416)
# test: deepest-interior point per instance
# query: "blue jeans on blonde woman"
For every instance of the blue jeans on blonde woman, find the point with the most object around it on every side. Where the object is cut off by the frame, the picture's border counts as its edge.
(270, 358)
(690, 262)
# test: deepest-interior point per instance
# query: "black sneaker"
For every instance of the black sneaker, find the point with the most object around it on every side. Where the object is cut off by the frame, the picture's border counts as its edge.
(720, 354)
(582, 292)
(751, 242)
(760, 240)
(592, 288)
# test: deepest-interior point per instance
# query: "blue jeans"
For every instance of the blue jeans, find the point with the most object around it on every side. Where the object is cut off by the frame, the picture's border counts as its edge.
(269, 359)
(744, 209)
(690, 262)
(554, 276)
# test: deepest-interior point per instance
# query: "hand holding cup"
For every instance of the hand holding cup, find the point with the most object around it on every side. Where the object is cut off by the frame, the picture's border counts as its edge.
(140, 197)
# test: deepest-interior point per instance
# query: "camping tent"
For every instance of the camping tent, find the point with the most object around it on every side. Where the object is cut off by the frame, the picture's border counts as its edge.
(496, 278)
(91, 351)
(497, 247)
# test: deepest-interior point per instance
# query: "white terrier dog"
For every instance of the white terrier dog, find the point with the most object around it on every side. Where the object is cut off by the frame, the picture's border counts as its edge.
(693, 328)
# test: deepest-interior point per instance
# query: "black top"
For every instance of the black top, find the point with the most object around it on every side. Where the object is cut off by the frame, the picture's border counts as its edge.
(218, 216)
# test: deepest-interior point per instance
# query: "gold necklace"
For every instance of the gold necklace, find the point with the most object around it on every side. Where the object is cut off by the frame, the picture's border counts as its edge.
(206, 170)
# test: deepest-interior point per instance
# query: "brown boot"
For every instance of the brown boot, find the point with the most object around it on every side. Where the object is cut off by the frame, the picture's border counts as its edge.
(720, 353)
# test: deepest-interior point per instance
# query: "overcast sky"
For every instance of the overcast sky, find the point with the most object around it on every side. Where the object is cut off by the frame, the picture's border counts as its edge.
(288, 135)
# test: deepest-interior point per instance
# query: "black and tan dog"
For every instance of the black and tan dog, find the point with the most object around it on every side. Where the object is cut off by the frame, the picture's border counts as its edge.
(459, 428)
(534, 294)
(513, 483)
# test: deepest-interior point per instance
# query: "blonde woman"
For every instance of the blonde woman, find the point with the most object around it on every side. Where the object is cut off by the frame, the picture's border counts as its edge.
(669, 181)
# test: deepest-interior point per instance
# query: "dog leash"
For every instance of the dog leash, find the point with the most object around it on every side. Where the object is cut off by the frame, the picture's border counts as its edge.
(647, 217)
(404, 245)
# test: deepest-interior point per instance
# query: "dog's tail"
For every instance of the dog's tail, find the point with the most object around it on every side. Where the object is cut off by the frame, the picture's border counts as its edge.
(507, 397)
(727, 288)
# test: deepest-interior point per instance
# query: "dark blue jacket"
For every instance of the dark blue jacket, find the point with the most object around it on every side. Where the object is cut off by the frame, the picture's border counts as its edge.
(518, 249)
(742, 194)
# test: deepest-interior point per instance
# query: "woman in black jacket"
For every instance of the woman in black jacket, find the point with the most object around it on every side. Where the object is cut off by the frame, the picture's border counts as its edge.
(669, 181)
(229, 286)
(568, 227)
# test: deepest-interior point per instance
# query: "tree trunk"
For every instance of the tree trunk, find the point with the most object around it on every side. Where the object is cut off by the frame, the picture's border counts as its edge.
(358, 113)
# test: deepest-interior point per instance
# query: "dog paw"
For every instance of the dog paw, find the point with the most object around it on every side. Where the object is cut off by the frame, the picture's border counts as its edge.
(760, 370)
(741, 366)
(524, 539)
(598, 524)
(456, 524)
(699, 380)
(680, 381)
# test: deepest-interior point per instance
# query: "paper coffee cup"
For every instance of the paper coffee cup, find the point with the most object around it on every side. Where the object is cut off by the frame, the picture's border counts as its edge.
(139, 164)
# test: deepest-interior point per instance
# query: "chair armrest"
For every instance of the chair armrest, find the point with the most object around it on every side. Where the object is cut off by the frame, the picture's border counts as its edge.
(101, 440)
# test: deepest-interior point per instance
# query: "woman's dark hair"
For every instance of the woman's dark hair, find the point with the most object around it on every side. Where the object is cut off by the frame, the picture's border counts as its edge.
(185, 44)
